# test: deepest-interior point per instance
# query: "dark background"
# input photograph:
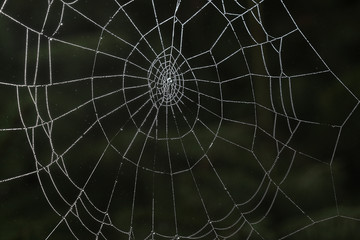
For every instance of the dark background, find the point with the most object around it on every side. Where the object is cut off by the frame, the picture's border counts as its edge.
(331, 26)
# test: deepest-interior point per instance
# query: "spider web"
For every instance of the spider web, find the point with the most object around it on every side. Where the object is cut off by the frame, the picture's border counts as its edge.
(169, 119)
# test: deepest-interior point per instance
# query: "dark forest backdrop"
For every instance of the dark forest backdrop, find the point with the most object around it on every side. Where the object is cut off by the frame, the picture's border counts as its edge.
(331, 26)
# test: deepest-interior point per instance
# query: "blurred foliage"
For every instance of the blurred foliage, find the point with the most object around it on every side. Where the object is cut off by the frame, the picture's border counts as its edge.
(330, 26)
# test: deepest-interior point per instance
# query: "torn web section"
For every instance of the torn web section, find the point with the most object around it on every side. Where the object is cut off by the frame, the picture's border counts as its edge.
(19, 120)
